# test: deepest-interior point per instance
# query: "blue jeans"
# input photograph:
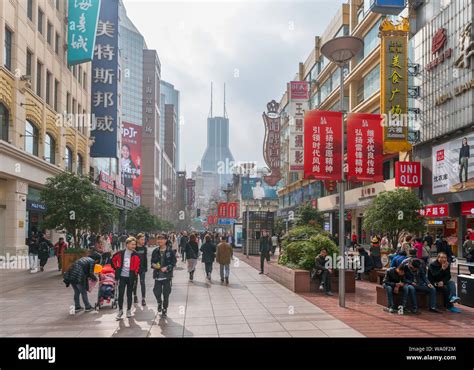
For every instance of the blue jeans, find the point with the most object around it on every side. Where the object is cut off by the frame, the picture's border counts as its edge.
(225, 271)
(448, 291)
(407, 290)
(80, 289)
(430, 291)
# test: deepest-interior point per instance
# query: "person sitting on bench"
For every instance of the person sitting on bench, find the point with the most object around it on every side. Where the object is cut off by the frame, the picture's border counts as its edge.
(439, 274)
(322, 272)
(366, 264)
(398, 259)
(415, 275)
(393, 281)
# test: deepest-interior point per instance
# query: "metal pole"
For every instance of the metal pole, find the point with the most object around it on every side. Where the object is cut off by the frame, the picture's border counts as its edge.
(247, 241)
(342, 281)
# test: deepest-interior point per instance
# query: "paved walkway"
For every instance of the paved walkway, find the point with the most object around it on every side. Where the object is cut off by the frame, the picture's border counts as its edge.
(253, 305)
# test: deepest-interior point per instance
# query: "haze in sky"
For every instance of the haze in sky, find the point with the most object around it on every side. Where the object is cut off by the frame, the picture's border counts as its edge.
(252, 46)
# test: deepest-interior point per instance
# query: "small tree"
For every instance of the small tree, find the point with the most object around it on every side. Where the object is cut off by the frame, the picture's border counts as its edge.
(307, 215)
(140, 219)
(73, 203)
(393, 212)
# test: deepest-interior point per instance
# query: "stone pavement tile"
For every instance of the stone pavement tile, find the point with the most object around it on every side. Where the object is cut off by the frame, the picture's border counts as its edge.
(200, 313)
(96, 333)
(279, 310)
(230, 312)
(130, 333)
(237, 335)
(201, 330)
(230, 320)
(342, 333)
(275, 305)
(266, 327)
(318, 316)
(168, 321)
(200, 321)
(233, 329)
(267, 318)
(307, 333)
(298, 325)
(174, 331)
(290, 317)
(330, 324)
(273, 334)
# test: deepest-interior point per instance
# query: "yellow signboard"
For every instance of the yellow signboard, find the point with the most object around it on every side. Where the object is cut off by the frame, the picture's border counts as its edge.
(394, 85)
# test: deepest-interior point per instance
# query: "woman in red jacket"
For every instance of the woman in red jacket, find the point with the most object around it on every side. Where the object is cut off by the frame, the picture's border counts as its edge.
(126, 264)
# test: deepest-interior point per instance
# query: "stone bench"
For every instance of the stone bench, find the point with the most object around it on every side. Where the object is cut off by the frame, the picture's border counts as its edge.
(421, 298)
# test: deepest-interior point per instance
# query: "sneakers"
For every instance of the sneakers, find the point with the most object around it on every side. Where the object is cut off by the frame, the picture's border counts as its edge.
(222, 280)
(159, 307)
(227, 280)
(390, 309)
(164, 312)
(78, 309)
(329, 293)
(119, 315)
(434, 310)
(454, 310)
(455, 299)
(260, 273)
(135, 299)
(129, 313)
(143, 302)
(415, 312)
(88, 309)
(321, 287)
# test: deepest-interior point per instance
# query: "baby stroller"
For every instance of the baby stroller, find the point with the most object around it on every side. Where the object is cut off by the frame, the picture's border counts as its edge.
(107, 288)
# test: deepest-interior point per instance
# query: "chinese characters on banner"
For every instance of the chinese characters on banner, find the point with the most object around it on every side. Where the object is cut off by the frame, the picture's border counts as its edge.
(323, 136)
(271, 144)
(394, 85)
(364, 147)
(82, 25)
(130, 158)
(436, 210)
(299, 96)
(104, 89)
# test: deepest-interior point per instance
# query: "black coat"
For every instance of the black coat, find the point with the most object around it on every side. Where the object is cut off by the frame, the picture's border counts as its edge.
(143, 254)
(437, 274)
(33, 247)
(464, 152)
(391, 277)
(43, 249)
(208, 252)
(192, 250)
(80, 272)
(320, 263)
(169, 262)
(265, 245)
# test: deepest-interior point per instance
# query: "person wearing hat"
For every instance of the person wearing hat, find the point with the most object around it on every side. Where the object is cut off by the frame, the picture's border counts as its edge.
(163, 261)
(375, 252)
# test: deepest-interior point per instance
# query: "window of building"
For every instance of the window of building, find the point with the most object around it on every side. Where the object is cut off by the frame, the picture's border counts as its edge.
(49, 34)
(4, 122)
(48, 87)
(57, 5)
(371, 40)
(79, 75)
(336, 77)
(7, 52)
(80, 120)
(68, 159)
(31, 138)
(80, 164)
(325, 90)
(84, 81)
(371, 82)
(56, 43)
(386, 170)
(40, 20)
(68, 103)
(29, 9)
(39, 77)
(49, 149)
(29, 61)
(56, 95)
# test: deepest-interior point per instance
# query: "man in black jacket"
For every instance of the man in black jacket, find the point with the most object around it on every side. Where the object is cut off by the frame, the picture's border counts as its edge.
(163, 261)
(182, 245)
(208, 250)
(141, 250)
(439, 274)
(392, 282)
(323, 272)
(265, 248)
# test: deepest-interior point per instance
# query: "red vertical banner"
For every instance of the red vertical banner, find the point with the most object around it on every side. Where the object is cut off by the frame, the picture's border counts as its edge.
(364, 147)
(130, 161)
(322, 145)
(232, 210)
(222, 210)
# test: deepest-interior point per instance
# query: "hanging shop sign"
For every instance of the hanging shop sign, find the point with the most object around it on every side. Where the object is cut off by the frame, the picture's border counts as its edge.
(130, 158)
(393, 7)
(190, 192)
(467, 208)
(222, 209)
(271, 144)
(394, 84)
(364, 147)
(299, 103)
(232, 209)
(435, 210)
(408, 174)
(323, 138)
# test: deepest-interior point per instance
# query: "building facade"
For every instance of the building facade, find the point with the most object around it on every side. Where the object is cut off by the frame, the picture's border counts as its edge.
(171, 96)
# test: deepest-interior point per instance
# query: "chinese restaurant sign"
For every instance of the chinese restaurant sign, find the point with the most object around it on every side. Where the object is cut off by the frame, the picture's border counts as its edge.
(364, 147)
(105, 71)
(271, 145)
(323, 137)
(82, 25)
(394, 84)
(299, 97)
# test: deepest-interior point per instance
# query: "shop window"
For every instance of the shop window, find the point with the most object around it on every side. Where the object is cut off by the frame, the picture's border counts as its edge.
(4, 122)
(31, 138)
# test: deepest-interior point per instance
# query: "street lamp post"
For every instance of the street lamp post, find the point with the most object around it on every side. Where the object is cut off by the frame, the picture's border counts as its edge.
(340, 50)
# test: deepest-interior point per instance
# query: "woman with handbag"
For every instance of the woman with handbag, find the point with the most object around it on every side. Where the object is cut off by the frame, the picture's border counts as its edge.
(192, 254)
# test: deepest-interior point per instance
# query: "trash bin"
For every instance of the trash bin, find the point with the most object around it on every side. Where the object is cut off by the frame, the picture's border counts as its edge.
(466, 286)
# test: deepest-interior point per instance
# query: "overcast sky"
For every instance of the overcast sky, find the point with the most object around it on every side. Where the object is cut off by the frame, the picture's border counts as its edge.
(252, 46)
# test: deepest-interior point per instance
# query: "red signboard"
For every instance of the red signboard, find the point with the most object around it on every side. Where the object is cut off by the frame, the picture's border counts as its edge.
(119, 189)
(408, 174)
(439, 40)
(222, 210)
(467, 208)
(212, 220)
(364, 147)
(299, 90)
(130, 160)
(322, 145)
(437, 44)
(435, 210)
(314, 203)
(106, 182)
(232, 209)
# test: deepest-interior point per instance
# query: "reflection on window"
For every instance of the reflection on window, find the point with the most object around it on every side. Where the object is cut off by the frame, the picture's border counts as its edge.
(4, 119)
(31, 138)
(49, 149)
(80, 164)
(68, 159)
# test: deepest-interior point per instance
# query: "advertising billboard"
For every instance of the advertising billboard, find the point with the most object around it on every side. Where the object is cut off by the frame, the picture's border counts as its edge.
(272, 143)
(453, 168)
(130, 158)
(255, 188)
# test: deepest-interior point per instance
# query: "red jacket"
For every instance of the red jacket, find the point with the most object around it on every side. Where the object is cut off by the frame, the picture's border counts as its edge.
(134, 263)
(59, 248)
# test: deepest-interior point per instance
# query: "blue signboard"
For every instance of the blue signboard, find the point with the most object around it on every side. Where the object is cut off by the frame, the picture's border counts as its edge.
(105, 77)
(82, 25)
(393, 7)
(225, 221)
(255, 188)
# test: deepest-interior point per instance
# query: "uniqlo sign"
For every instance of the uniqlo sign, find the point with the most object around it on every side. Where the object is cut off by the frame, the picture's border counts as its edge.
(322, 145)
(435, 210)
(408, 174)
(440, 155)
(364, 147)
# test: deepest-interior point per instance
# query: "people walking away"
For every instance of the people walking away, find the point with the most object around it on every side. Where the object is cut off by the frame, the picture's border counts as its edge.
(142, 251)
(59, 249)
(33, 250)
(393, 281)
(192, 253)
(265, 248)
(366, 262)
(78, 276)
(322, 273)
(208, 250)
(428, 239)
(223, 257)
(439, 275)
(44, 248)
(375, 252)
(126, 264)
(464, 155)
(163, 261)
(407, 244)
(183, 245)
